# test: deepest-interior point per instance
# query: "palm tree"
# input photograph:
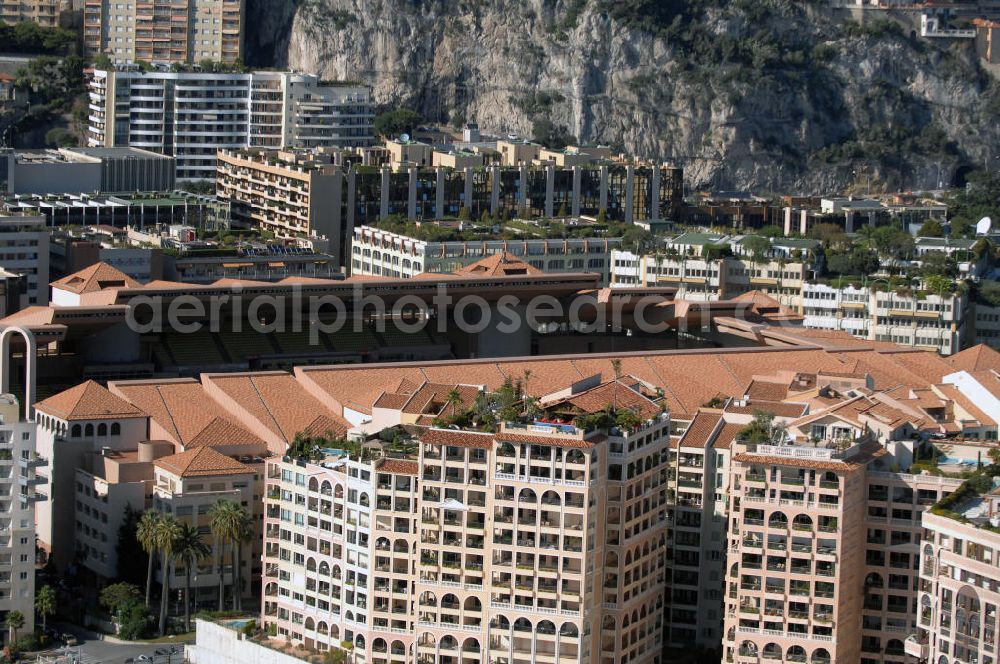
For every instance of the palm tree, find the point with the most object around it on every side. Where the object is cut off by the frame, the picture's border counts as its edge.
(45, 603)
(14, 622)
(229, 523)
(168, 532)
(189, 549)
(243, 531)
(145, 532)
(454, 401)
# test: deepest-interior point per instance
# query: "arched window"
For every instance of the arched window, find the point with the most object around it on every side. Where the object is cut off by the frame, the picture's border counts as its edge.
(75, 431)
(88, 431)
(102, 429)
(116, 429)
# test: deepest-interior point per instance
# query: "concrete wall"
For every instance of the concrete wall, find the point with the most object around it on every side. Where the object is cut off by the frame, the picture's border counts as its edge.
(218, 644)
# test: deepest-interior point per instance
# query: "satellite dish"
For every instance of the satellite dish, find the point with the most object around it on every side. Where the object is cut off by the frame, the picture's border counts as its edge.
(405, 138)
(984, 225)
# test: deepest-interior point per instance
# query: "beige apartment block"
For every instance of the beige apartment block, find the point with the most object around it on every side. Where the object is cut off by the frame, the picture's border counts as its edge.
(281, 192)
(181, 31)
(483, 546)
(45, 13)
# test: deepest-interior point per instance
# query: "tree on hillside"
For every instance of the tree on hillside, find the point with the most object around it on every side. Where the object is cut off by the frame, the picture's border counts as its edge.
(931, 228)
(392, 124)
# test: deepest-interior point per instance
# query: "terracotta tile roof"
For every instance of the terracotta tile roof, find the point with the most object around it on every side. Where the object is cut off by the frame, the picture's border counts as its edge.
(615, 393)
(391, 400)
(280, 404)
(457, 438)
(431, 398)
(30, 317)
(98, 276)
(977, 358)
(701, 430)
(503, 264)
(726, 436)
(955, 395)
(202, 462)
(88, 401)
(776, 408)
(186, 413)
(990, 381)
(552, 441)
(399, 467)
(767, 391)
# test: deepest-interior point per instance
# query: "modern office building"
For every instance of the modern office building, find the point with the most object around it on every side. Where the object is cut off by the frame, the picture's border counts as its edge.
(87, 171)
(24, 250)
(46, 13)
(180, 31)
(190, 115)
(382, 253)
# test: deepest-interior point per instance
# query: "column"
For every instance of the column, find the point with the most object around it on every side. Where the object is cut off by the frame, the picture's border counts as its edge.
(629, 193)
(577, 175)
(604, 189)
(384, 202)
(439, 194)
(494, 189)
(352, 207)
(411, 200)
(524, 203)
(550, 185)
(654, 199)
(468, 190)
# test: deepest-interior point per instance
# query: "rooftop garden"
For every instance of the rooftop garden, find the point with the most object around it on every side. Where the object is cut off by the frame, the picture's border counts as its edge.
(977, 485)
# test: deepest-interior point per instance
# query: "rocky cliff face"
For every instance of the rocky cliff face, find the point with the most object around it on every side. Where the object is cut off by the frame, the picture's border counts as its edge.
(757, 94)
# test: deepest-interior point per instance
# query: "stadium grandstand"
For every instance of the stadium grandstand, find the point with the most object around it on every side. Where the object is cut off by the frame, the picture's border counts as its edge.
(102, 325)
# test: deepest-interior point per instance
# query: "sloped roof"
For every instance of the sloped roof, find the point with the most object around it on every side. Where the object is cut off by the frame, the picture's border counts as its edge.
(614, 393)
(202, 462)
(503, 264)
(88, 401)
(977, 358)
(187, 413)
(700, 431)
(97, 277)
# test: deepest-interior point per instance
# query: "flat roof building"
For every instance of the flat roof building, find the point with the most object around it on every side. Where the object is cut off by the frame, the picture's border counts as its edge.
(239, 110)
(86, 170)
(181, 31)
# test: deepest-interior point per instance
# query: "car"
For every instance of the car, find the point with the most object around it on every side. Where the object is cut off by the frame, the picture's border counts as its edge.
(161, 652)
(70, 640)
(143, 658)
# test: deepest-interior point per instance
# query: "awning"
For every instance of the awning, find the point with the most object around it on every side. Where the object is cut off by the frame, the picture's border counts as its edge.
(452, 504)
(276, 264)
(235, 265)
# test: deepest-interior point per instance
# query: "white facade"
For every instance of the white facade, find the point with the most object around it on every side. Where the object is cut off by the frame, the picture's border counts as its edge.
(381, 253)
(18, 495)
(191, 115)
(24, 249)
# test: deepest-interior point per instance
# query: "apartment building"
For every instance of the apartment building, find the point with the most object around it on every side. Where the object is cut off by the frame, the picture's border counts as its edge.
(20, 490)
(281, 192)
(986, 328)
(540, 542)
(24, 250)
(181, 31)
(706, 279)
(959, 590)
(383, 253)
(45, 13)
(190, 115)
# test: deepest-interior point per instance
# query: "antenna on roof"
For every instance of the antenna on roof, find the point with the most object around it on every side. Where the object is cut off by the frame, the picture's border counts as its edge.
(984, 226)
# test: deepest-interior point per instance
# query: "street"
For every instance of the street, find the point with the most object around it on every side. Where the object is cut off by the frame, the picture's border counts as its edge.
(92, 650)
